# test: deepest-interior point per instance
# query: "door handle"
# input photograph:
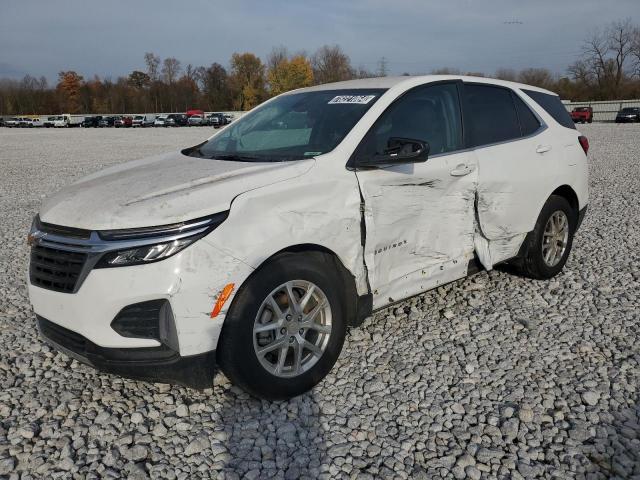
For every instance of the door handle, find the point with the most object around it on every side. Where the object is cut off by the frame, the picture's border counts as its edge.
(462, 170)
(543, 148)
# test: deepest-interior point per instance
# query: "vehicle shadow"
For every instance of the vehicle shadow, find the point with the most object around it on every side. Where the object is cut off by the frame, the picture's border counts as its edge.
(257, 438)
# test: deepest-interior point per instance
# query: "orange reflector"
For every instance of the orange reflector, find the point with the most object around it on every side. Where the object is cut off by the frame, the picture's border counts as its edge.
(222, 299)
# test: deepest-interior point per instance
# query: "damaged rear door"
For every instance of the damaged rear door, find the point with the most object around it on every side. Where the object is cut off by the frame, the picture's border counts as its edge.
(517, 165)
(419, 217)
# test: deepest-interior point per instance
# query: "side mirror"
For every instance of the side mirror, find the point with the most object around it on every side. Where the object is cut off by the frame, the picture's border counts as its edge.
(399, 151)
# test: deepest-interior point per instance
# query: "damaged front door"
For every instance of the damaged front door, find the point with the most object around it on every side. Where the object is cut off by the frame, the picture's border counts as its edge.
(419, 217)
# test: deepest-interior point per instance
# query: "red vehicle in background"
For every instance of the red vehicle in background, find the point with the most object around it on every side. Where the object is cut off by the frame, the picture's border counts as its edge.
(582, 115)
(123, 122)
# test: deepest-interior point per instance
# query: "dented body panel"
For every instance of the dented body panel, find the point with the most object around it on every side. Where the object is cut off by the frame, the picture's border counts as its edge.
(420, 225)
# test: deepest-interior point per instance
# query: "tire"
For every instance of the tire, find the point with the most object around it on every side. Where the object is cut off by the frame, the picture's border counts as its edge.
(237, 352)
(533, 263)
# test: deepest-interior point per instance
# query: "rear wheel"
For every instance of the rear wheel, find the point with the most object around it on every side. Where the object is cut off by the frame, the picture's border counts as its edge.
(549, 244)
(286, 327)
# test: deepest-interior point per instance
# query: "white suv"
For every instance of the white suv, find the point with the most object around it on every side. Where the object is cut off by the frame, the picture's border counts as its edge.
(256, 249)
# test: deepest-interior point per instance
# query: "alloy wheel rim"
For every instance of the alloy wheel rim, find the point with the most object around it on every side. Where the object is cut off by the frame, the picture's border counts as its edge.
(292, 328)
(555, 238)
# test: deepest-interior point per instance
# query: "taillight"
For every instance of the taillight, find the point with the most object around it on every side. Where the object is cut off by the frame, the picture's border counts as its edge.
(584, 143)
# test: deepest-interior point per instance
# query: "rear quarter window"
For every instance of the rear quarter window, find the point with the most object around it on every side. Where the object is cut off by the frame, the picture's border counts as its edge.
(553, 106)
(529, 123)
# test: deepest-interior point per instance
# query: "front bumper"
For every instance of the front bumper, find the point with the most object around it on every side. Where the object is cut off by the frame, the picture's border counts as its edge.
(161, 364)
(190, 281)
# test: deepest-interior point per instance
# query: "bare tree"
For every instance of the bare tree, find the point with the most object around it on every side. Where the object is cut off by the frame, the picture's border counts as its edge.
(607, 57)
(331, 64)
(540, 77)
(171, 69)
(153, 64)
(635, 51)
(507, 74)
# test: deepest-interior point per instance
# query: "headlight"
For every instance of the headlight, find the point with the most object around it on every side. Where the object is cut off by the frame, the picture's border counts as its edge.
(152, 244)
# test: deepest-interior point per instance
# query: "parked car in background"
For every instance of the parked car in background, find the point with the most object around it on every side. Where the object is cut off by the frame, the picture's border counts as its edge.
(229, 118)
(196, 121)
(92, 122)
(106, 122)
(160, 121)
(582, 115)
(216, 120)
(25, 122)
(254, 251)
(68, 120)
(143, 120)
(177, 120)
(628, 115)
(48, 122)
(12, 122)
(123, 122)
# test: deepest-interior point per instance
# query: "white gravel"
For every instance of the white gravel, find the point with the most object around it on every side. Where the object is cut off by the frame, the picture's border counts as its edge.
(495, 376)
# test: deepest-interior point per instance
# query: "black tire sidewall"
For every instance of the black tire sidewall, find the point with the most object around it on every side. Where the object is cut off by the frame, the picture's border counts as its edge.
(535, 263)
(236, 354)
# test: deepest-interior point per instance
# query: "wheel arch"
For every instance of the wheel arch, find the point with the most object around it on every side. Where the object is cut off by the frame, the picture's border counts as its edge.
(569, 195)
(358, 306)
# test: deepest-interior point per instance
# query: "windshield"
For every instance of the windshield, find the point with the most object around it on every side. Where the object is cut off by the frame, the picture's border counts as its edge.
(291, 127)
(629, 110)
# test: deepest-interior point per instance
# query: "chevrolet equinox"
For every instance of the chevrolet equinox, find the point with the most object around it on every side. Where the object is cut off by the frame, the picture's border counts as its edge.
(254, 251)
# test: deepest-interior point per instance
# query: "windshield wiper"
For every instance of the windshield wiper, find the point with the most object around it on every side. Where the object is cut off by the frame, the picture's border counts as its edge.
(237, 158)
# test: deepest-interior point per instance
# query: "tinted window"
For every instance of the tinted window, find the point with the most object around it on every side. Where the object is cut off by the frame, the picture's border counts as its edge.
(553, 106)
(528, 121)
(492, 114)
(430, 113)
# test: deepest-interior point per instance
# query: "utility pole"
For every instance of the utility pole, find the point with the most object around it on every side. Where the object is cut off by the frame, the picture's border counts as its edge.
(382, 67)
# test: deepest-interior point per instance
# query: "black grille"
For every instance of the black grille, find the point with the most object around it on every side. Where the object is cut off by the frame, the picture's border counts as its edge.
(54, 269)
(140, 320)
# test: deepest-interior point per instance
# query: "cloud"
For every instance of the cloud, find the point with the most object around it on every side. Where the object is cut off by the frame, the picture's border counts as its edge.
(416, 36)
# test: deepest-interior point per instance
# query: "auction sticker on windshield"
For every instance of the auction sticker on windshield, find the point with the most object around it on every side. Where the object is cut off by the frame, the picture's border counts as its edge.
(360, 99)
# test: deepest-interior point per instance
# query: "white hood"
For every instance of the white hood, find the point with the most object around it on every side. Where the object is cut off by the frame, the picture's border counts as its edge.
(161, 190)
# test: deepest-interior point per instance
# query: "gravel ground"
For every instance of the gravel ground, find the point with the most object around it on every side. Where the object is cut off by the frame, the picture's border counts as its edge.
(492, 376)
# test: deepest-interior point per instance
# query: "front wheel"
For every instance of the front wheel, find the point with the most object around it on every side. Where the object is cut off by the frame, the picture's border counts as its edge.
(549, 244)
(286, 326)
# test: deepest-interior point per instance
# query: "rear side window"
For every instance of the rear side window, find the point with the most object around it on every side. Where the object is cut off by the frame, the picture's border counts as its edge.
(553, 106)
(529, 124)
(493, 115)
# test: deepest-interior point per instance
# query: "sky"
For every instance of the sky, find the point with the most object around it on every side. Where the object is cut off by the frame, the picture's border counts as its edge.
(109, 37)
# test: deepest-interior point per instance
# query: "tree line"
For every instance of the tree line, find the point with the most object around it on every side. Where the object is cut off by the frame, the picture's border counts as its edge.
(607, 69)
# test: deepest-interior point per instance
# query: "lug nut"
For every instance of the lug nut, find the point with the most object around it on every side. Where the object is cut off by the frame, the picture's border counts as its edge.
(288, 317)
(283, 331)
(301, 331)
(291, 339)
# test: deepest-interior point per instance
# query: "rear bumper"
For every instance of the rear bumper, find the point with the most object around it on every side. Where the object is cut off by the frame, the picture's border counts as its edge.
(161, 364)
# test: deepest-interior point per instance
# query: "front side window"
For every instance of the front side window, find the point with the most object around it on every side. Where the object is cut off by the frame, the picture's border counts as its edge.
(291, 127)
(493, 116)
(429, 113)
